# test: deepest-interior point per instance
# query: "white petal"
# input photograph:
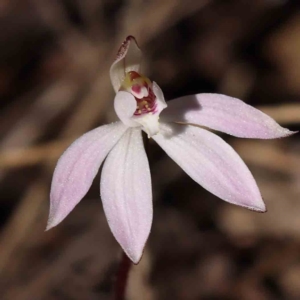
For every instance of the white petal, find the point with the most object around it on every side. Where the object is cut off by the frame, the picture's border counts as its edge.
(125, 105)
(77, 168)
(223, 113)
(149, 123)
(126, 193)
(212, 163)
(128, 59)
(161, 103)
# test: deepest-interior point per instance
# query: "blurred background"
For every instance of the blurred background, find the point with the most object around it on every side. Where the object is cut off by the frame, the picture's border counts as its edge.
(54, 85)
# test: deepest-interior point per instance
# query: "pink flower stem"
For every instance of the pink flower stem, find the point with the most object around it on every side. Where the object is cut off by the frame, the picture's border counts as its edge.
(122, 277)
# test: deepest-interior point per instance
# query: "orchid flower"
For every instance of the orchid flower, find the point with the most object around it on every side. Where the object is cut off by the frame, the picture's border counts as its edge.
(177, 127)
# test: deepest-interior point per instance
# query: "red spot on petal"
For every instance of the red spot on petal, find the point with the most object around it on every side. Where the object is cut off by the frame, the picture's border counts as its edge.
(136, 88)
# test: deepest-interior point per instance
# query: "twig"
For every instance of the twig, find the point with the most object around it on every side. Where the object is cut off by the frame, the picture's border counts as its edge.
(54, 100)
(165, 14)
(50, 276)
(33, 155)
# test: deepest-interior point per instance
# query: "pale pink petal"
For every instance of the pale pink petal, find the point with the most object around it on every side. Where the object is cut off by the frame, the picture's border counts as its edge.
(77, 168)
(128, 59)
(126, 193)
(125, 105)
(223, 113)
(212, 163)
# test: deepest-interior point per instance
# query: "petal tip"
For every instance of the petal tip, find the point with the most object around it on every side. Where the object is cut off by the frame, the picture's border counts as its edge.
(125, 45)
(134, 250)
(135, 257)
(276, 132)
(287, 133)
(260, 208)
(131, 38)
(51, 223)
(48, 227)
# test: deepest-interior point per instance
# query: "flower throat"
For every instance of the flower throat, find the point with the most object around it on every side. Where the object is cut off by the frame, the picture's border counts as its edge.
(141, 88)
